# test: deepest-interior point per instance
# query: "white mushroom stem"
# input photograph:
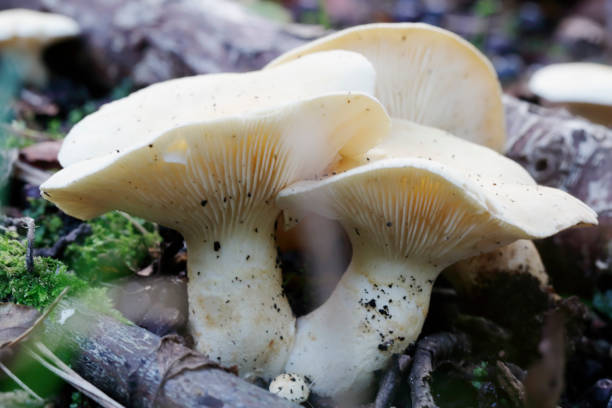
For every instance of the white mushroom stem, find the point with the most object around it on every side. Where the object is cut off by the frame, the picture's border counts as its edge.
(26, 61)
(373, 315)
(237, 309)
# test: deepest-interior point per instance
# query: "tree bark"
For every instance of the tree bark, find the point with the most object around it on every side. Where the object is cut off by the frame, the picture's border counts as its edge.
(140, 369)
(573, 154)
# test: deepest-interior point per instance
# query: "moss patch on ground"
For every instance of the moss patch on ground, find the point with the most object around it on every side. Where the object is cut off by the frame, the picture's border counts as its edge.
(37, 288)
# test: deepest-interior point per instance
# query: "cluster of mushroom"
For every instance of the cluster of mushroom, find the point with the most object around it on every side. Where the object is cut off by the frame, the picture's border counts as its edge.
(218, 156)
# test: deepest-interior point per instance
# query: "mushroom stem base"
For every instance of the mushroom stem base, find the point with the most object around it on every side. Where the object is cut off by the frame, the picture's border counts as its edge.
(238, 313)
(377, 309)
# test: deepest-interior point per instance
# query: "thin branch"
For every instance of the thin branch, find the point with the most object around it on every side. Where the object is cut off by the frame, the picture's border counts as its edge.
(430, 351)
(391, 380)
(78, 382)
(135, 223)
(20, 383)
(62, 243)
(29, 224)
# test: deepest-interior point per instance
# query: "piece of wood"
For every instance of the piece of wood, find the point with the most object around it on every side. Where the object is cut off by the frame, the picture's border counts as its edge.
(140, 369)
(575, 155)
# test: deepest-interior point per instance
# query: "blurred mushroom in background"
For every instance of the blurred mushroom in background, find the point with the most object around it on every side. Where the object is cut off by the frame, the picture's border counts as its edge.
(24, 34)
(585, 89)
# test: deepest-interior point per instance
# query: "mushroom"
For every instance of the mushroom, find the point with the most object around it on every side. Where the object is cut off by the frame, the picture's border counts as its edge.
(24, 34)
(292, 387)
(416, 82)
(408, 218)
(471, 275)
(215, 182)
(427, 75)
(584, 88)
(166, 105)
(409, 139)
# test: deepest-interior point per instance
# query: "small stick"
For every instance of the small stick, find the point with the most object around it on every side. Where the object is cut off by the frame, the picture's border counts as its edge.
(510, 384)
(135, 223)
(390, 381)
(60, 245)
(20, 383)
(430, 351)
(29, 223)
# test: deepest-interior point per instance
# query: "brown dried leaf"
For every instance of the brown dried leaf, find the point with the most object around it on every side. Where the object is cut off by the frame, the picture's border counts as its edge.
(15, 320)
(43, 154)
(147, 271)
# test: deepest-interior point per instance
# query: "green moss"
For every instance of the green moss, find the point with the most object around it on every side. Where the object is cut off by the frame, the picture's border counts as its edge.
(37, 288)
(115, 247)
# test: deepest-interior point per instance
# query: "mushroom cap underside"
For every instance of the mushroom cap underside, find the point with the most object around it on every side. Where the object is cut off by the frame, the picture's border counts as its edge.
(169, 104)
(215, 172)
(416, 208)
(415, 80)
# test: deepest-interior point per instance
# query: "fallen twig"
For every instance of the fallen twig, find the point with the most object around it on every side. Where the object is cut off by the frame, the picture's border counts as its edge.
(57, 250)
(19, 382)
(391, 380)
(67, 374)
(512, 386)
(135, 223)
(429, 352)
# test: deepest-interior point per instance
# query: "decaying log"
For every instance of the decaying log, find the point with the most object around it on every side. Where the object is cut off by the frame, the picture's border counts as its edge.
(140, 369)
(149, 41)
(570, 153)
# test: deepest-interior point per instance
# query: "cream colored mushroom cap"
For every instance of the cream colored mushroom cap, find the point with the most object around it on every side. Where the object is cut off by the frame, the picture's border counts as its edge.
(427, 75)
(23, 24)
(233, 165)
(577, 82)
(417, 208)
(166, 105)
(408, 139)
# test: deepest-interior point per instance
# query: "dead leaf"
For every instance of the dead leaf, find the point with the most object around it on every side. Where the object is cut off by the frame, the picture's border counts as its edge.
(15, 320)
(43, 154)
(146, 271)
